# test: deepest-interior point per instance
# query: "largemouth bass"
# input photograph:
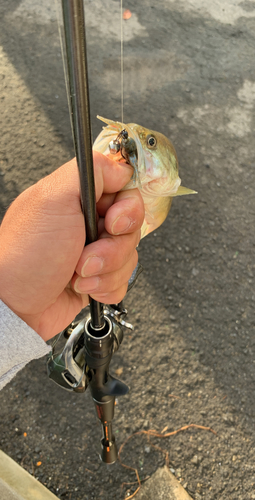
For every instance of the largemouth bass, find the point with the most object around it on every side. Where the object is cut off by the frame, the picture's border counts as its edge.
(155, 164)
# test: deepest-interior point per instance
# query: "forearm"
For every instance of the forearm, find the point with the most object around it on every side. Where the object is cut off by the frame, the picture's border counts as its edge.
(19, 344)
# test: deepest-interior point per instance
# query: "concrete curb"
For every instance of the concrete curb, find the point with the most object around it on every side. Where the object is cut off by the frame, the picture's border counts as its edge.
(162, 485)
(17, 484)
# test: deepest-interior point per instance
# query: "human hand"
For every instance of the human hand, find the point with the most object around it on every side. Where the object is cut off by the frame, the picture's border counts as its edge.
(46, 274)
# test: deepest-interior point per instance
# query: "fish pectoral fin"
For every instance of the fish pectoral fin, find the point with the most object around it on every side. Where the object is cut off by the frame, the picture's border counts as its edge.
(183, 190)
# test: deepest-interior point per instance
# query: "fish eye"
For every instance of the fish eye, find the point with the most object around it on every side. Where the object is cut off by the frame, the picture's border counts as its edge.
(151, 141)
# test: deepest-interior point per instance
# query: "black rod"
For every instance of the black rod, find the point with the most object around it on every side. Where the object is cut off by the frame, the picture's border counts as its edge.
(77, 73)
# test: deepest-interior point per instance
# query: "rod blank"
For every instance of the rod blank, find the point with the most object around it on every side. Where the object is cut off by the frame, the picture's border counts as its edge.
(77, 70)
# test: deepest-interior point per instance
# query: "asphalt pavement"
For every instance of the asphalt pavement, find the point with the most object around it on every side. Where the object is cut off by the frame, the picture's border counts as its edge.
(189, 73)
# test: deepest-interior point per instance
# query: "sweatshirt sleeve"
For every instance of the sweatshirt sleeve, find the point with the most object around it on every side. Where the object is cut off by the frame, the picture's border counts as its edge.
(19, 344)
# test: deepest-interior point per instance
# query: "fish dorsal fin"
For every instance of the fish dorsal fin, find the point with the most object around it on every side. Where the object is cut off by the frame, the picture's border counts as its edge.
(183, 190)
(109, 122)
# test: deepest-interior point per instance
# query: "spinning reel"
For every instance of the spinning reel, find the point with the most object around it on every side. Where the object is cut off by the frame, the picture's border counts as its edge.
(84, 361)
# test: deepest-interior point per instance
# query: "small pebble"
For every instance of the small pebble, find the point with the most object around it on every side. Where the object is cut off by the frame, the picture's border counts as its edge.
(195, 460)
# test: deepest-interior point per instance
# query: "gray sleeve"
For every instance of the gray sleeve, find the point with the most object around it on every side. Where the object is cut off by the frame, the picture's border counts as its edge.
(19, 344)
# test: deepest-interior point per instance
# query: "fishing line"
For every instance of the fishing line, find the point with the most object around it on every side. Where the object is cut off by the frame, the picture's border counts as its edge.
(64, 56)
(121, 62)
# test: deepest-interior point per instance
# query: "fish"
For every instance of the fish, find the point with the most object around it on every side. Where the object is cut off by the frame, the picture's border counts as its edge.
(155, 163)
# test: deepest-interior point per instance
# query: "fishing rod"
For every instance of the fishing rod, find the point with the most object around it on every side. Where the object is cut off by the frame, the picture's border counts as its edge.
(85, 358)
(77, 78)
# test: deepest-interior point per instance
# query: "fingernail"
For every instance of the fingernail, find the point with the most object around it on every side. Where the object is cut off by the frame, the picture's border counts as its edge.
(121, 224)
(86, 286)
(92, 266)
